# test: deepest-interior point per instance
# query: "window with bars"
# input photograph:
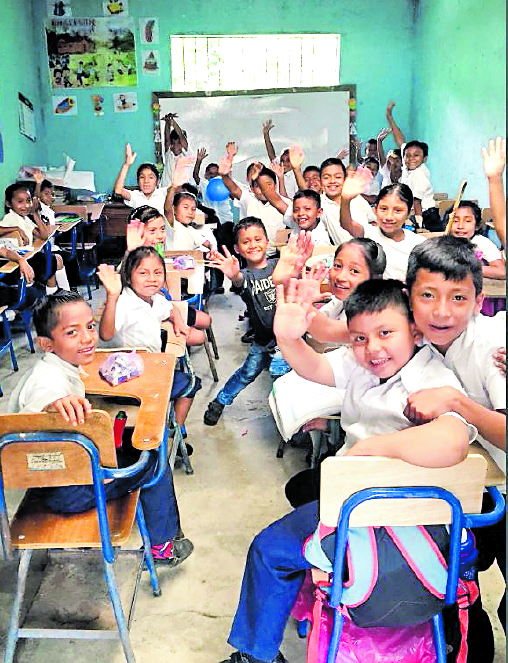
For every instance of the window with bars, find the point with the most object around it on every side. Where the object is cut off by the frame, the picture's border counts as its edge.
(254, 62)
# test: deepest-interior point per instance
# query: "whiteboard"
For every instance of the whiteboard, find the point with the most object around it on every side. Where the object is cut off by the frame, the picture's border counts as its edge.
(316, 120)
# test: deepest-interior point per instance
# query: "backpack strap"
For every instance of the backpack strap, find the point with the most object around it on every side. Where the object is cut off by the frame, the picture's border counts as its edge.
(467, 593)
(422, 556)
(362, 564)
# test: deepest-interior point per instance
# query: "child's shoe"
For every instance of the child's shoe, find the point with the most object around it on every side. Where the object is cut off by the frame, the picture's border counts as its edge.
(242, 657)
(173, 552)
(213, 413)
(278, 365)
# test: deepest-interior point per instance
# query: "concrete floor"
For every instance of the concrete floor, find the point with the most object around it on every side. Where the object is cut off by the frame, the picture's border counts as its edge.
(236, 490)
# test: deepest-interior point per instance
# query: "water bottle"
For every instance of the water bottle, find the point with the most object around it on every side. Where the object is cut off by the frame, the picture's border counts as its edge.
(468, 556)
(118, 426)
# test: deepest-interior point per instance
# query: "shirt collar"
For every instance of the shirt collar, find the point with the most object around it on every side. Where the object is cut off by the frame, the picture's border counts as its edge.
(72, 371)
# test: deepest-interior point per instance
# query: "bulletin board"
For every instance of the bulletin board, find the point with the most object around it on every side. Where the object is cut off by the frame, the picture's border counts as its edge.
(316, 119)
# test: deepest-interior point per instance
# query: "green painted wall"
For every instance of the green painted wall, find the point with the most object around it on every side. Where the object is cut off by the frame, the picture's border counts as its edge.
(18, 73)
(378, 63)
(460, 88)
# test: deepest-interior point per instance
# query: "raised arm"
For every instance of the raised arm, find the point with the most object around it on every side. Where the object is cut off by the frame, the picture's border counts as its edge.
(228, 265)
(267, 127)
(278, 169)
(353, 186)
(225, 168)
(494, 160)
(170, 124)
(380, 151)
(119, 187)
(182, 166)
(296, 157)
(200, 157)
(397, 133)
(270, 194)
(38, 176)
(112, 283)
(293, 257)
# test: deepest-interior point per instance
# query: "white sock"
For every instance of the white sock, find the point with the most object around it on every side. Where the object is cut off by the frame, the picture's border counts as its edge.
(50, 290)
(61, 279)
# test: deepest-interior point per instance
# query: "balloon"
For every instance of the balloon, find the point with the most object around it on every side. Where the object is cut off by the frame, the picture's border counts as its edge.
(217, 190)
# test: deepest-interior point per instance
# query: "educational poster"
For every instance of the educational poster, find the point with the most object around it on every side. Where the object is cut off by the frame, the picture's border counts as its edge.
(26, 117)
(59, 8)
(149, 30)
(65, 105)
(151, 62)
(126, 102)
(91, 52)
(116, 8)
(98, 104)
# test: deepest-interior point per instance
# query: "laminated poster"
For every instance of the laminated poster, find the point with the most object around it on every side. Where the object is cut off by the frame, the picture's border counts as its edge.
(151, 62)
(125, 102)
(65, 105)
(116, 8)
(149, 30)
(59, 9)
(98, 104)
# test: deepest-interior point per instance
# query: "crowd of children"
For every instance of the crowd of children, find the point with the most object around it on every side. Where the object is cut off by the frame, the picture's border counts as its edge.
(420, 370)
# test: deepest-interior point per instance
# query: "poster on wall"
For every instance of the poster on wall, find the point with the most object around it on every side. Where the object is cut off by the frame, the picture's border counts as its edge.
(91, 52)
(151, 62)
(26, 117)
(59, 8)
(98, 104)
(65, 105)
(116, 8)
(125, 102)
(149, 30)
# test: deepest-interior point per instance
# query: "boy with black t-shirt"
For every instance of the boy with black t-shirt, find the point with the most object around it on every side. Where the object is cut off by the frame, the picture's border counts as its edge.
(258, 292)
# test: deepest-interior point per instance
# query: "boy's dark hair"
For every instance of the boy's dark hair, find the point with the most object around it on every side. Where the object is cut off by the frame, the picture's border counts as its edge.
(189, 188)
(268, 173)
(477, 213)
(248, 222)
(284, 153)
(11, 190)
(132, 261)
(373, 253)
(250, 167)
(371, 160)
(310, 169)
(400, 190)
(308, 193)
(145, 214)
(211, 165)
(183, 195)
(147, 166)
(396, 152)
(46, 184)
(332, 161)
(46, 310)
(173, 136)
(453, 257)
(372, 141)
(376, 295)
(417, 143)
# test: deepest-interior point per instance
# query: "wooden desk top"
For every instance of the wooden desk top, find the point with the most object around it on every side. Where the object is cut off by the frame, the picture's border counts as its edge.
(152, 389)
(68, 225)
(93, 210)
(494, 287)
(11, 266)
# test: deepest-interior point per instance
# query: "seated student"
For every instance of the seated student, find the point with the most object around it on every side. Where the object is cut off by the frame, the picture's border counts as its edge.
(253, 203)
(333, 176)
(288, 184)
(176, 146)
(182, 234)
(373, 187)
(147, 176)
(444, 279)
(146, 227)
(494, 160)
(380, 371)
(258, 291)
(417, 176)
(393, 205)
(467, 223)
(67, 335)
(21, 229)
(135, 310)
(312, 178)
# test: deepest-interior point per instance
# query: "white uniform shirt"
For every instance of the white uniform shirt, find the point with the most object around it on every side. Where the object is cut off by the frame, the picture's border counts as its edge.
(487, 247)
(361, 212)
(183, 238)
(47, 214)
(222, 208)
(170, 160)
(334, 309)
(290, 184)
(319, 234)
(156, 199)
(50, 378)
(470, 358)
(371, 408)
(137, 324)
(14, 220)
(418, 180)
(397, 253)
(271, 218)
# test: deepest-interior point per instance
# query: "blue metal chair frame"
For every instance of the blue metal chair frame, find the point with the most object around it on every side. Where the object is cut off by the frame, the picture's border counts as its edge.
(24, 313)
(7, 345)
(100, 474)
(459, 520)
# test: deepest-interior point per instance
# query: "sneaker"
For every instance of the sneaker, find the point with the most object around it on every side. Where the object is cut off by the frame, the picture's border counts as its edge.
(172, 553)
(248, 337)
(218, 291)
(213, 413)
(241, 657)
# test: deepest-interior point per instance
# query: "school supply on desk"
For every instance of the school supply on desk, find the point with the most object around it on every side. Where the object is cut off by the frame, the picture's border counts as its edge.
(181, 262)
(120, 367)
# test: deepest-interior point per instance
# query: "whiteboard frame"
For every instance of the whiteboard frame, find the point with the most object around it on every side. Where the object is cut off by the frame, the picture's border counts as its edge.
(157, 96)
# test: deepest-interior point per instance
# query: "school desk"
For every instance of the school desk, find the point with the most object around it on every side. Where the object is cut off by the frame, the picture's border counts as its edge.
(494, 287)
(195, 276)
(10, 266)
(152, 390)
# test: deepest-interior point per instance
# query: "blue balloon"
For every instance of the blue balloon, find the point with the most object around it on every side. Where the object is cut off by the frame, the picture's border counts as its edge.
(217, 190)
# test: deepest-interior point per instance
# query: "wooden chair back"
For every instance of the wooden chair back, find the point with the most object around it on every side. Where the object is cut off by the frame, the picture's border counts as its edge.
(487, 218)
(282, 236)
(53, 463)
(174, 284)
(343, 476)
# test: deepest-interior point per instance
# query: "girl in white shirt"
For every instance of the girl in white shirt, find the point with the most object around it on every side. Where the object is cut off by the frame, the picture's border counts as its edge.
(467, 223)
(135, 309)
(148, 179)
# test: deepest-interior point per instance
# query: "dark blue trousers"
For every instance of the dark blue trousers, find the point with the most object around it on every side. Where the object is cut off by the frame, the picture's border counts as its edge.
(159, 502)
(274, 573)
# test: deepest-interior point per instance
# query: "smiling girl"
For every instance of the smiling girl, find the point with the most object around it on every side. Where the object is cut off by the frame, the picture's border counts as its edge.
(148, 192)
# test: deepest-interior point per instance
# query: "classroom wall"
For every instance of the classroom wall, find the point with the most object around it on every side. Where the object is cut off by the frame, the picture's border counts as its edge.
(459, 98)
(377, 51)
(18, 73)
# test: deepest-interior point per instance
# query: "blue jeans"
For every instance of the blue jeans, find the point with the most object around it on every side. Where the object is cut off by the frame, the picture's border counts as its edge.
(259, 358)
(274, 572)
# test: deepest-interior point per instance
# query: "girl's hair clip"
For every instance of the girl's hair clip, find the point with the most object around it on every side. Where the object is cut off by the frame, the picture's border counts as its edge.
(479, 254)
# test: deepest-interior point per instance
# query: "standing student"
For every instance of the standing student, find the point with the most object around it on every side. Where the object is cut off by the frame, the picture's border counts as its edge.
(66, 333)
(175, 147)
(288, 183)
(147, 176)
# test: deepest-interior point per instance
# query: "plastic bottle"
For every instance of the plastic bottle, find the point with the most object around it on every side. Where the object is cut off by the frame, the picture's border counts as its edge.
(118, 426)
(468, 556)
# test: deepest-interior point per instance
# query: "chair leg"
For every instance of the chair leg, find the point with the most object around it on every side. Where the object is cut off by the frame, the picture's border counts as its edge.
(211, 362)
(109, 575)
(439, 638)
(12, 635)
(211, 337)
(154, 579)
(8, 338)
(178, 442)
(26, 323)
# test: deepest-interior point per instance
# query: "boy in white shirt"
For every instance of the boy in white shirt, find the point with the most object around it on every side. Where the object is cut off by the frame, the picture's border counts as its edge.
(175, 146)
